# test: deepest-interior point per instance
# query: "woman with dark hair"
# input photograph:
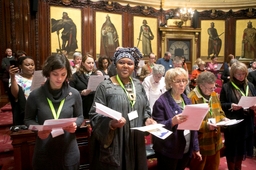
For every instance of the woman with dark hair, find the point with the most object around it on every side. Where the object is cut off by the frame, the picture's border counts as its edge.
(103, 64)
(80, 80)
(21, 75)
(239, 137)
(55, 95)
(114, 145)
(20, 53)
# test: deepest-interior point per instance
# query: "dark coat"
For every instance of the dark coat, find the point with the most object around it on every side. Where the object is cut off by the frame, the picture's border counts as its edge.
(252, 77)
(238, 138)
(225, 74)
(61, 152)
(164, 109)
(80, 82)
(18, 106)
(122, 148)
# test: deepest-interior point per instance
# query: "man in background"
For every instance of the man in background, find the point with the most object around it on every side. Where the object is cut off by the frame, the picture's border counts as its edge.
(147, 68)
(5, 68)
(166, 61)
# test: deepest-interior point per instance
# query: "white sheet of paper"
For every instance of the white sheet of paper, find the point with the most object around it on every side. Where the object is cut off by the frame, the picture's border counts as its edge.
(229, 122)
(219, 66)
(51, 124)
(106, 111)
(156, 130)
(141, 63)
(247, 101)
(38, 80)
(57, 132)
(94, 81)
(196, 114)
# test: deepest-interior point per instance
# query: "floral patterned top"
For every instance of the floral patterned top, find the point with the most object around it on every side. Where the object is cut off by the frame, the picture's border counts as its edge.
(24, 83)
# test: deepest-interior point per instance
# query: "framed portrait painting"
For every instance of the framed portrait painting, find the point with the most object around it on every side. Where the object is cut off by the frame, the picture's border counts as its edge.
(145, 34)
(65, 30)
(108, 33)
(245, 39)
(212, 39)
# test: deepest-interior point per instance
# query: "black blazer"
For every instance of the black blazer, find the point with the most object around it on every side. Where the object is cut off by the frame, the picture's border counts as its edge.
(252, 77)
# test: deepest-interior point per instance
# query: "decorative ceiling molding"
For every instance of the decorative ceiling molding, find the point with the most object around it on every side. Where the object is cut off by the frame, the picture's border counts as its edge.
(200, 5)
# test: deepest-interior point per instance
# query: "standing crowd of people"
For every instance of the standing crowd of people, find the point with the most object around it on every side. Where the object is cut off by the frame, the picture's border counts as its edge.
(158, 95)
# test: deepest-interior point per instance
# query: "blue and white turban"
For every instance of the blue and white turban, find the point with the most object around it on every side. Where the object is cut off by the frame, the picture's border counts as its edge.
(132, 53)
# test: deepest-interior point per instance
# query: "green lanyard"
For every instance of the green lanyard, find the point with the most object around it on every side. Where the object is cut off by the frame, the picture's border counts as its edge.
(133, 89)
(56, 116)
(247, 89)
(209, 103)
(182, 104)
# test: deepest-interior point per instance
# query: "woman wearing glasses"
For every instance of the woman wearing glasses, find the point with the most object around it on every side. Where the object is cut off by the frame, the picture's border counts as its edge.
(238, 138)
(209, 135)
(175, 151)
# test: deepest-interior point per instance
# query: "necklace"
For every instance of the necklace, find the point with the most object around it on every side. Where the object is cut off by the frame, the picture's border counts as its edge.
(130, 92)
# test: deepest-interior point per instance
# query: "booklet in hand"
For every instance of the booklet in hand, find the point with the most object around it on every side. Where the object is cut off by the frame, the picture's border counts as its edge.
(229, 122)
(156, 130)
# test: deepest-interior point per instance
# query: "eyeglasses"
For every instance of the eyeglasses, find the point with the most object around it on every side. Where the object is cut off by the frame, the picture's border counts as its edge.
(184, 81)
(210, 88)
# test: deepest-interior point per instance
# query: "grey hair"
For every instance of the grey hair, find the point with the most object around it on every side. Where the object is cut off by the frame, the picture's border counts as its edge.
(206, 77)
(232, 61)
(77, 54)
(158, 69)
(177, 60)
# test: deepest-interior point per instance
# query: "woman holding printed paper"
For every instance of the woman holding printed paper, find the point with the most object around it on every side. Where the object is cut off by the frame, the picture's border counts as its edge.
(80, 80)
(55, 99)
(209, 135)
(175, 151)
(239, 137)
(114, 146)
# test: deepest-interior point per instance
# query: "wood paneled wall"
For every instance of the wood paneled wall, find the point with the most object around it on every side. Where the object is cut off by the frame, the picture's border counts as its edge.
(20, 29)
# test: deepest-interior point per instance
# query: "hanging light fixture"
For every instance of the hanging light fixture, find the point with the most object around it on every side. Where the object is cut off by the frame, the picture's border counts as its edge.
(184, 14)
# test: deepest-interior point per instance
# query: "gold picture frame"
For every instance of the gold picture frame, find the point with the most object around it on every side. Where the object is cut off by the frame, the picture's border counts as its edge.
(219, 25)
(65, 30)
(150, 35)
(243, 51)
(108, 36)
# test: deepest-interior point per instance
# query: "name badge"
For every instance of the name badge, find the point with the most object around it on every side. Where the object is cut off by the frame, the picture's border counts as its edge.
(133, 115)
(212, 120)
(186, 132)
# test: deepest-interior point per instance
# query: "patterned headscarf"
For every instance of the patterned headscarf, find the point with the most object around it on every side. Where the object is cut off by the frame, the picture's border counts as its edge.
(132, 53)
